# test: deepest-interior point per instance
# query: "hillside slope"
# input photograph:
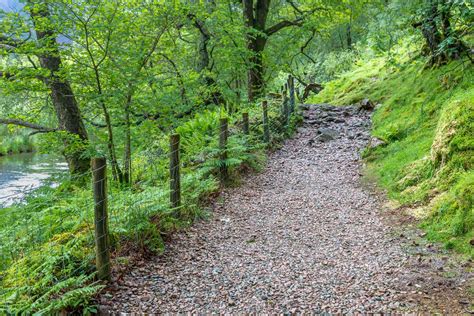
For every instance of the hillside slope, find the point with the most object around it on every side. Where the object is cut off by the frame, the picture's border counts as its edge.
(426, 118)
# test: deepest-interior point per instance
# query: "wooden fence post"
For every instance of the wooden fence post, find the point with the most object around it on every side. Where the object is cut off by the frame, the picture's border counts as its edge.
(266, 128)
(223, 148)
(291, 83)
(175, 177)
(102, 249)
(285, 107)
(245, 126)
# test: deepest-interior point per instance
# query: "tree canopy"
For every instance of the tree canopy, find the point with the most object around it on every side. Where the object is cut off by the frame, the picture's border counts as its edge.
(115, 79)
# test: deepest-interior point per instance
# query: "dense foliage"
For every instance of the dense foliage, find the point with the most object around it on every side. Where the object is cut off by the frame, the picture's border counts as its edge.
(114, 79)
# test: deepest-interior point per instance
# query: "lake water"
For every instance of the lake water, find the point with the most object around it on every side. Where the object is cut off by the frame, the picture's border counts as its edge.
(22, 173)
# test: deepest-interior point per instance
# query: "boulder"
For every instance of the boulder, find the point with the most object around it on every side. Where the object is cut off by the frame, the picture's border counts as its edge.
(312, 87)
(366, 105)
(326, 134)
(346, 113)
(312, 122)
(375, 142)
(306, 107)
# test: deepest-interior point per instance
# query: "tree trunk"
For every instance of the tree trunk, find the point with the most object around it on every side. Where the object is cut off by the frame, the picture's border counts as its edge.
(349, 31)
(456, 47)
(432, 36)
(64, 101)
(70, 120)
(203, 65)
(179, 76)
(255, 19)
(436, 28)
(116, 171)
(349, 36)
(204, 37)
(256, 82)
(127, 156)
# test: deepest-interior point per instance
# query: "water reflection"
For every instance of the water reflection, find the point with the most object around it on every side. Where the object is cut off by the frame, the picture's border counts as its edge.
(22, 173)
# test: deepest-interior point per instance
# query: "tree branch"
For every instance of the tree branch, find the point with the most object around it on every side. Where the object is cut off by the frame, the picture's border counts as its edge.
(302, 48)
(296, 22)
(293, 5)
(305, 45)
(280, 25)
(180, 36)
(40, 132)
(7, 75)
(199, 25)
(248, 12)
(9, 41)
(17, 122)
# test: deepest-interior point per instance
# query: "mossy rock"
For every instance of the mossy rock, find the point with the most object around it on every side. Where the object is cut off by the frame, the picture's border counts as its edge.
(454, 137)
(414, 173)
(452, 219)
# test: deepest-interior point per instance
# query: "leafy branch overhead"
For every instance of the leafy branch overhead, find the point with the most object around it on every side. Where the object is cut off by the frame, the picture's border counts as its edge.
(171, 100)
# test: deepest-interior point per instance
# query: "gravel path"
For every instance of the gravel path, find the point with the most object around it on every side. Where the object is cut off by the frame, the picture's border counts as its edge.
(304, 235)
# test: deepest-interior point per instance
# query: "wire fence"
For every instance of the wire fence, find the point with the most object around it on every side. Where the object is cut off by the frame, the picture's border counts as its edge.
(68, 241)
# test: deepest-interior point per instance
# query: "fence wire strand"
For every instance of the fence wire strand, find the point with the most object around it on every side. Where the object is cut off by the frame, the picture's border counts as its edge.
(67, 224)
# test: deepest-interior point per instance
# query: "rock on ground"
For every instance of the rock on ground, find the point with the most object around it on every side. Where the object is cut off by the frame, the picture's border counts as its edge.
(304, 235)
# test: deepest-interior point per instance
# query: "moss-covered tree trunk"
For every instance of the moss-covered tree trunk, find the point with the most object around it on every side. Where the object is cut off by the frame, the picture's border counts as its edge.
(62, 95)
(442, 41)
(255, 19)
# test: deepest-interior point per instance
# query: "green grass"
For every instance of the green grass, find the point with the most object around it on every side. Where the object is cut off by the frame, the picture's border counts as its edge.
(426, 117)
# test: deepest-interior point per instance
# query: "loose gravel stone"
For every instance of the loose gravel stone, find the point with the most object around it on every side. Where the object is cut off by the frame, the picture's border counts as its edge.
(304, 235)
